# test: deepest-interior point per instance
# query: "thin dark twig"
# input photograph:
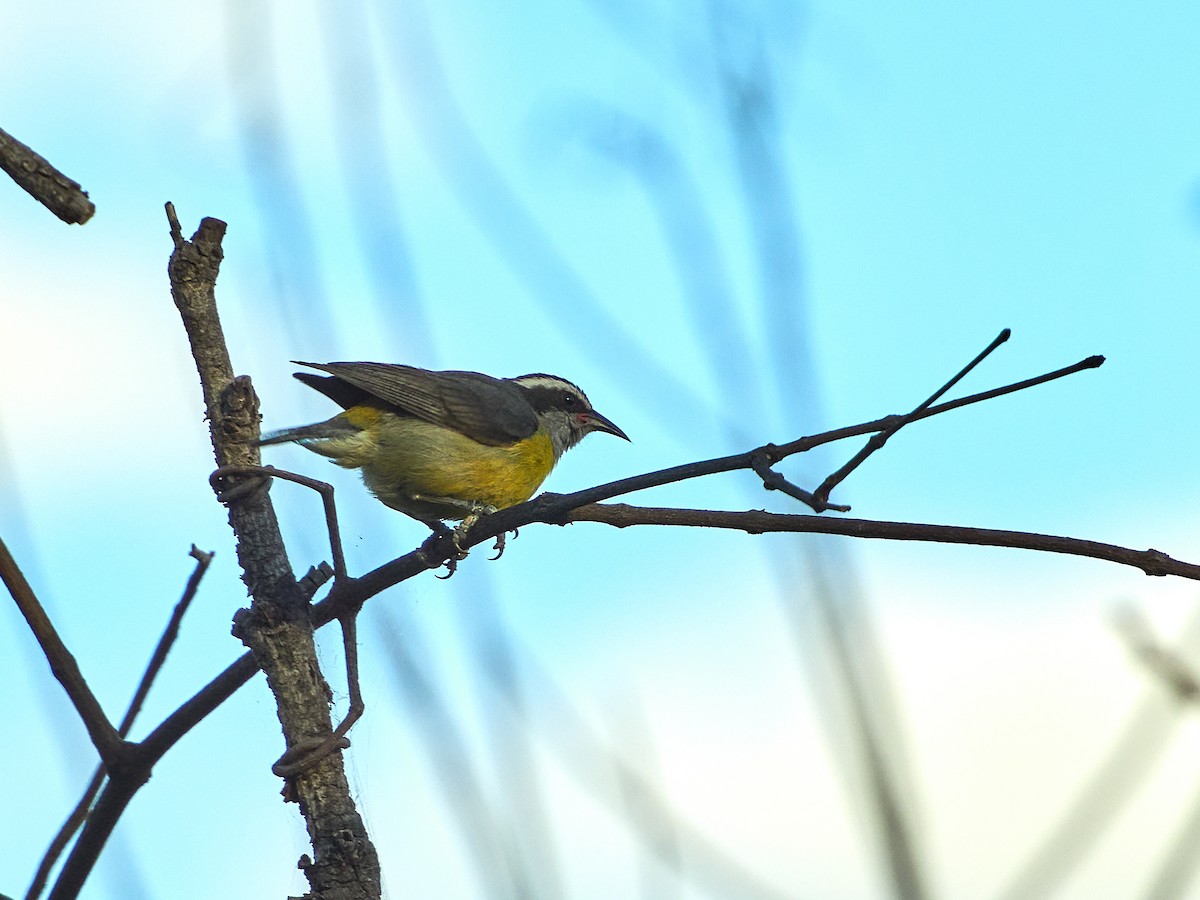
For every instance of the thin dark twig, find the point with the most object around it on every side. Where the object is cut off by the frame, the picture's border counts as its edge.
(65, 833)
(553, 508)
(113, 800)
(760, 462)
(46, 184)
(1092, 362)
(302, 756)
(227, 494)
(104, 736)
(999, 339)
(621, 515)
(79, 813)
(821, 495)
(563, 508)
(170, 633)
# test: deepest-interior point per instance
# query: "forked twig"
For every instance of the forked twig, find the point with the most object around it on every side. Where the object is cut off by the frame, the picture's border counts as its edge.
(837, 434)
(879, 438)
(80, 812)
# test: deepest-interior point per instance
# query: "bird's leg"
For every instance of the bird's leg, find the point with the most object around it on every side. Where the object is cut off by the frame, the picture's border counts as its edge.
(472, 511)
(477, 510)
(306, 753)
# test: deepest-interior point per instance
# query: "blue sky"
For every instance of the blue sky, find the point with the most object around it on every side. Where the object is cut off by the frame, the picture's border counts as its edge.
(506, 188)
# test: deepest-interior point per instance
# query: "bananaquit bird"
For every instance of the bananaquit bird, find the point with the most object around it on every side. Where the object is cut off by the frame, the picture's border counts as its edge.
(436, 445)
(445, 445)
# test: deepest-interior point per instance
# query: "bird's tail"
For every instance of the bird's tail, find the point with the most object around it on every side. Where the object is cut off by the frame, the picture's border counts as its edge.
(337, 427)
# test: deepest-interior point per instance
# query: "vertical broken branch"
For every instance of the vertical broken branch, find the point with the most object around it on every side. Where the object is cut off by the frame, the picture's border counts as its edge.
(277, 628)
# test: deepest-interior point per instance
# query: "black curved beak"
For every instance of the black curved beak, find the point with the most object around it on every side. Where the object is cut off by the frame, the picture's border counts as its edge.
(597, 422)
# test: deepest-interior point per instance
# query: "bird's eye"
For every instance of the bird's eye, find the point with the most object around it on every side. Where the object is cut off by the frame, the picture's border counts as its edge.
(568, 400)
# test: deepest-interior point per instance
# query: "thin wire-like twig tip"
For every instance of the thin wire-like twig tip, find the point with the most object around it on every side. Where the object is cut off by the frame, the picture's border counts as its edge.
(1004, 336)
(1092, 362)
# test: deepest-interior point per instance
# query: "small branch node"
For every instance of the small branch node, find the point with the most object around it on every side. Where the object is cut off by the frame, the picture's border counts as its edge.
(315, 577)
(760, 462)
(895, 423)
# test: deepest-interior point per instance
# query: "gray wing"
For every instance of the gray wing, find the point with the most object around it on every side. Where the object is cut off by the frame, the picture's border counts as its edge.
(490, 410)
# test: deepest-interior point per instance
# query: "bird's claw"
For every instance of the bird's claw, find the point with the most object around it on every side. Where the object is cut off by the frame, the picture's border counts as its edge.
(451, 563)
(460, 553)
(500, 543)
(498, 547)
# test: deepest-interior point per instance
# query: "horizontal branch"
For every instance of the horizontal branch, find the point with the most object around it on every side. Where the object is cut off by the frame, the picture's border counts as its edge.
(622, 515)
(564, 508)
(350, 593)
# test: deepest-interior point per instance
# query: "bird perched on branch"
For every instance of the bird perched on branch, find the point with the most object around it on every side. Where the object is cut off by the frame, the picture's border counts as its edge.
(445, 445)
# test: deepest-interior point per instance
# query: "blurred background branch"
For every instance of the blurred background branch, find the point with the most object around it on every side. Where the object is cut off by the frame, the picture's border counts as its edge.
(725, 221)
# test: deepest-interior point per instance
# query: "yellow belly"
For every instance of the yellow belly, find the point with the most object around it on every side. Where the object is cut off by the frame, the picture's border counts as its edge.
(411, 465)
